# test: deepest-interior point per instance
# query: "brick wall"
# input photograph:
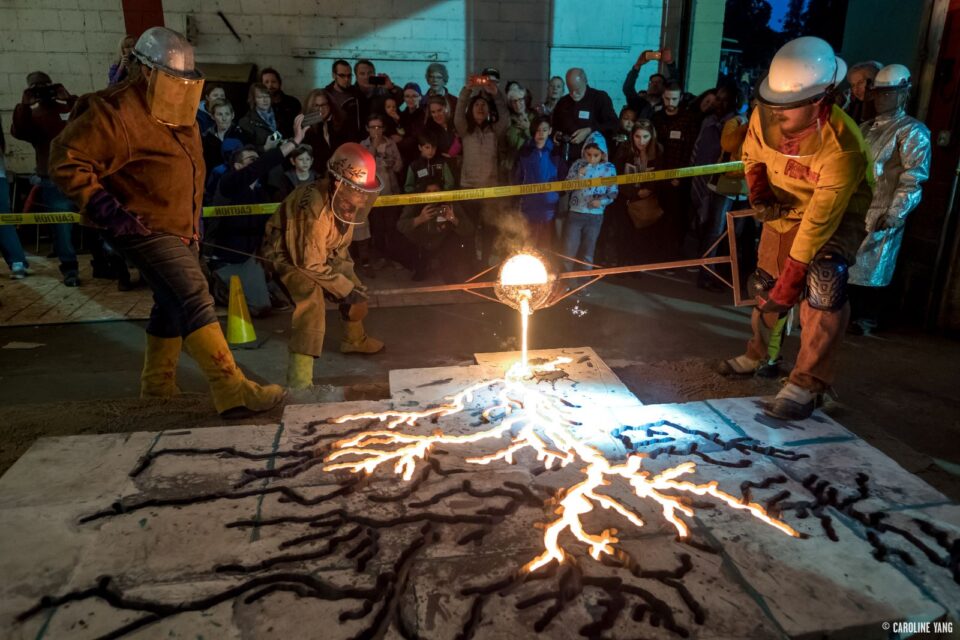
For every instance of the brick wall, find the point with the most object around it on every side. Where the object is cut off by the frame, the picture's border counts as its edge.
(72, 40)
(528, 40)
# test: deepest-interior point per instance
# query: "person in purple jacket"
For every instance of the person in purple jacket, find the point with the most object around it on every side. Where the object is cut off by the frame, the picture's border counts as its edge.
(538, 161)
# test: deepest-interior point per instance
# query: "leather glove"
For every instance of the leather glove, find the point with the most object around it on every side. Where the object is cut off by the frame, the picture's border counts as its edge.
(764, 212)
(786, 292)
(354, 297)
(106, 211)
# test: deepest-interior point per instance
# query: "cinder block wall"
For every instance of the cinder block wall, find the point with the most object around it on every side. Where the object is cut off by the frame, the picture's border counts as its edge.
(72, 40)
(528, 40)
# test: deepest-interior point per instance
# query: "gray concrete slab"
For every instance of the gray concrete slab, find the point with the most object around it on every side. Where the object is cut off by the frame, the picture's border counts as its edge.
(242, 532)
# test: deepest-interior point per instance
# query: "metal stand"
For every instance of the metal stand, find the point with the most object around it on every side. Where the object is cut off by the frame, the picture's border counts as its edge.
(473, 285)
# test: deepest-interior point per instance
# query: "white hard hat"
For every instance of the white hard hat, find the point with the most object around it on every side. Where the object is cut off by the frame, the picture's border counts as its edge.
(801, 72)
(892, 76)
(166, 49)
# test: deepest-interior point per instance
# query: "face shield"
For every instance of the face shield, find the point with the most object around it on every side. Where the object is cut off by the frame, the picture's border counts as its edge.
(888, 99)
(173, 100)
(351, 205)
(793, 130)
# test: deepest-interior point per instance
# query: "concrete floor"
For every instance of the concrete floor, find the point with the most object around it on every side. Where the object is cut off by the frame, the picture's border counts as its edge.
(662, 336)
(238, 532)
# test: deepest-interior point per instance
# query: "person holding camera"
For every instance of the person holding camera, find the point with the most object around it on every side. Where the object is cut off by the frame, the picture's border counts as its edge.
(39, 118)
(233, 239)
(581, 112)
(442, 235)
(647, 103)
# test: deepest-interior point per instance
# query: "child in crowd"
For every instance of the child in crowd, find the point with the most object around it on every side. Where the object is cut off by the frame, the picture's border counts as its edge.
(382, 224)
(539, 162)
(427, 167)
(585, 216)
(299, 172)
(627, 117)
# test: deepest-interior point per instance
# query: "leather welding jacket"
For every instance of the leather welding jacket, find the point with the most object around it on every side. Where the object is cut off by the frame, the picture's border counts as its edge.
(900, 150)
(113, 143)
(825, 194)
(302, 236)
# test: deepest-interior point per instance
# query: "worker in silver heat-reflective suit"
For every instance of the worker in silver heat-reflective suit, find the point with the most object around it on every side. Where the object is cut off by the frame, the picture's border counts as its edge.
(900, 149)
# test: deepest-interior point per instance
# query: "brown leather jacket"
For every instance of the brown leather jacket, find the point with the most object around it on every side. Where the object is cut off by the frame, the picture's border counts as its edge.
(113, 143)
(303, 237)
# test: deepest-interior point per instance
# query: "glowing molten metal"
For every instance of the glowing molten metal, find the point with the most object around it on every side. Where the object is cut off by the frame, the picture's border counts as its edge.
(540, 422)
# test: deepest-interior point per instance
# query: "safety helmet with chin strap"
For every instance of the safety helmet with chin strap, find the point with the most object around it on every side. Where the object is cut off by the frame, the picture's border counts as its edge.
(802, 72)
(355, 169)
(175, 85)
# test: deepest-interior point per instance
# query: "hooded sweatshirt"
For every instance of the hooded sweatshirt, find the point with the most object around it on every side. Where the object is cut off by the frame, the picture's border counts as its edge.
(581, 169)
(538, 165)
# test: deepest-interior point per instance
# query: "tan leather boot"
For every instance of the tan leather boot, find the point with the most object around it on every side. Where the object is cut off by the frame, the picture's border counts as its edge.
(159, 376)
(233, 395)
(356, 340)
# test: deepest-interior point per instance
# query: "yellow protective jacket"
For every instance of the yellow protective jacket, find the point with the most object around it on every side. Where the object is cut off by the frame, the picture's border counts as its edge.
(303, 236)
(113, 143)
(826, 194)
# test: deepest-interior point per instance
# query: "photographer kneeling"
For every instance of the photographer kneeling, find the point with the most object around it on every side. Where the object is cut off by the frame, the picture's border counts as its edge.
(441, 232)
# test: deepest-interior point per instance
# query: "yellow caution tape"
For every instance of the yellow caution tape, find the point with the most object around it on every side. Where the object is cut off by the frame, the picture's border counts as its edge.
(54, 217)
(428, 198)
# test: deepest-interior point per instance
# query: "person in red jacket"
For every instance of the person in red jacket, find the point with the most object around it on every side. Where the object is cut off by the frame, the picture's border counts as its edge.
(41, 115)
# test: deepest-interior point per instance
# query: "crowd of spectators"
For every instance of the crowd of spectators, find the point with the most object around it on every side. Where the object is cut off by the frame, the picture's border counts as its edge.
(488, 133)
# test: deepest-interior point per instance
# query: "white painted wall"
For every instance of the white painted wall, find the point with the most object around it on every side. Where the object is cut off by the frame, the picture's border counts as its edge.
(528, 40)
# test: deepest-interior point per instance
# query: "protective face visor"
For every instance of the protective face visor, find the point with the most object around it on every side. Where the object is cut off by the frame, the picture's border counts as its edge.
(351, 205)
(793, 130)
(173, 100)
(888, 99)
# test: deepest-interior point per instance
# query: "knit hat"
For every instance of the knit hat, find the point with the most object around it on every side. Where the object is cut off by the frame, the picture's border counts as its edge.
(414, 86)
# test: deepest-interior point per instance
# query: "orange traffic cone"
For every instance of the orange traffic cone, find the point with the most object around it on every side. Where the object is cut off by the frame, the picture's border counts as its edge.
(239, 326)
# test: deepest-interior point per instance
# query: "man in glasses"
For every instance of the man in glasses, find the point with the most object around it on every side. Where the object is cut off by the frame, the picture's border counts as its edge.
(809, 183)
(347, 97)
(307, 243)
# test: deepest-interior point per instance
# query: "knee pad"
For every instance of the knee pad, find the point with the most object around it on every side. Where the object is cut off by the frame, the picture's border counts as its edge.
(760, 282)
(827, 282)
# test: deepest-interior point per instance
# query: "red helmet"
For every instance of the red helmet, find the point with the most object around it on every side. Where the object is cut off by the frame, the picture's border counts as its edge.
(353, 164)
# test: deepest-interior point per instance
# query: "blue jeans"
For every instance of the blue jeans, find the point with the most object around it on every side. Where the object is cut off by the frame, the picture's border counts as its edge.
(9, 240)
(181, 297)
(580, 232)
(52, 199)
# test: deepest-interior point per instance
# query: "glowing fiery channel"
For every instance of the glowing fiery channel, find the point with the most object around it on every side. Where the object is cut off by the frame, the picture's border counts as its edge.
(540, 422)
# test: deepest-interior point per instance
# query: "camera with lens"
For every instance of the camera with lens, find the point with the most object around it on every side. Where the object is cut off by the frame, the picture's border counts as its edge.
(44, 92)
(564, 140)
(377, 80)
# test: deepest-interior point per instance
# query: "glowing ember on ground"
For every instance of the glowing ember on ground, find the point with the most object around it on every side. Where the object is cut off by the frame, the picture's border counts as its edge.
(539, 421)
